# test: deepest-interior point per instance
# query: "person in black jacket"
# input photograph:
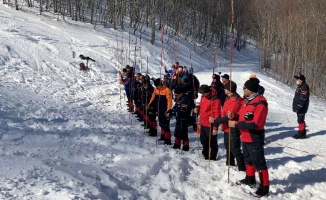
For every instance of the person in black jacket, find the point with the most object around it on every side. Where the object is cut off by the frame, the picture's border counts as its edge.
(149, 114)
(181, 110)
(300, 104)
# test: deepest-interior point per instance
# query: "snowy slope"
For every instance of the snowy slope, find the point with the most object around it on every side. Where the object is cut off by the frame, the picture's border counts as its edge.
(66, 134)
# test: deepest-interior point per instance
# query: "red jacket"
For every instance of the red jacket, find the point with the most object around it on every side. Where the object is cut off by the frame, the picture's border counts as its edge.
(209, 107)
(232, 104)
(252, 119)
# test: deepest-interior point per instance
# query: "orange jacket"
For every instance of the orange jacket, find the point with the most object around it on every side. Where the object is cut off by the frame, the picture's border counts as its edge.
(162, 98)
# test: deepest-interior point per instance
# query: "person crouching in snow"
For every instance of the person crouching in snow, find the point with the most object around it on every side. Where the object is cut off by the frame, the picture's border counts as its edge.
(251, 120)
(232, 104)
(182, 111)
(209, 106)
(162, 101)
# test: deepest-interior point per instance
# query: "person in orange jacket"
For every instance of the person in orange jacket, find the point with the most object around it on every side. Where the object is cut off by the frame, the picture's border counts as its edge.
(161, 100)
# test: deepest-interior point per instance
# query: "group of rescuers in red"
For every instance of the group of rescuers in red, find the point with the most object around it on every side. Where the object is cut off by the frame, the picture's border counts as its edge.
(242, 118)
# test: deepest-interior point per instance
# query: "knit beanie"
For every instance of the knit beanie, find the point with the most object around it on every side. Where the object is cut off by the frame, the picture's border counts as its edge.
(216, 76)
(300, 76)
(233, 86)
(157, 82)
(179, 90)
(252, 84)
(204, 89)
(226, 76)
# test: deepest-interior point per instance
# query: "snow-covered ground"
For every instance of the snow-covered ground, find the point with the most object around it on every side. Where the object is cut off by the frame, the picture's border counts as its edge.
(66, 134)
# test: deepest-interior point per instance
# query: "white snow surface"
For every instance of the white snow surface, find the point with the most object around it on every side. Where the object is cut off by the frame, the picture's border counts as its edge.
(66, 134)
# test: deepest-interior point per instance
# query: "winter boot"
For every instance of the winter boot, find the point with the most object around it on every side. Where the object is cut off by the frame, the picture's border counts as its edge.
(194, 127)
(185, 148)
(301, 132)
(185, 145)
(168, 141)
(167, 135)
(145, 125)
(240, 163)
(162, 138)
(262, 191)
(152, 132)
(300, 135)
(205, 153)
(177, 143)
(249, 180)
(264, 183)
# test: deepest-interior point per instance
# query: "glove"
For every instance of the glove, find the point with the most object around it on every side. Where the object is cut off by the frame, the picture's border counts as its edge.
(249, 116)
(168, 113)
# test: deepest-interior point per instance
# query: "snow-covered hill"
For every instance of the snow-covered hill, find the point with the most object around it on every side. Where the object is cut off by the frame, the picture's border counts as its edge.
(66, 134)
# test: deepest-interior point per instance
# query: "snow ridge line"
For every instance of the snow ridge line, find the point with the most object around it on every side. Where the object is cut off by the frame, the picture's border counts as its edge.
(307, 152)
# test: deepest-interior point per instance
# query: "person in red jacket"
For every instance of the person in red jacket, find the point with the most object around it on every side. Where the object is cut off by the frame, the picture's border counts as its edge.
(209, 106)
(232, 104)
(251, 120)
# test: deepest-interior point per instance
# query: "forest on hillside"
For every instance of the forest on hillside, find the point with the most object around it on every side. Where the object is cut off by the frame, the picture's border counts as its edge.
(290, 35)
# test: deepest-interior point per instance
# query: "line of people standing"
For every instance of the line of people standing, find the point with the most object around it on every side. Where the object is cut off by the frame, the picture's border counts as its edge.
(241, 118)
(152, 105)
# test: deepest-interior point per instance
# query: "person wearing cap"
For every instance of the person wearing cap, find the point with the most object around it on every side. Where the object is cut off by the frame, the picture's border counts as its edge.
(300, 104)
(161, 100)
(232, 104)
(209, 106)
(181, 110)
(251, 120)
(218, 88)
